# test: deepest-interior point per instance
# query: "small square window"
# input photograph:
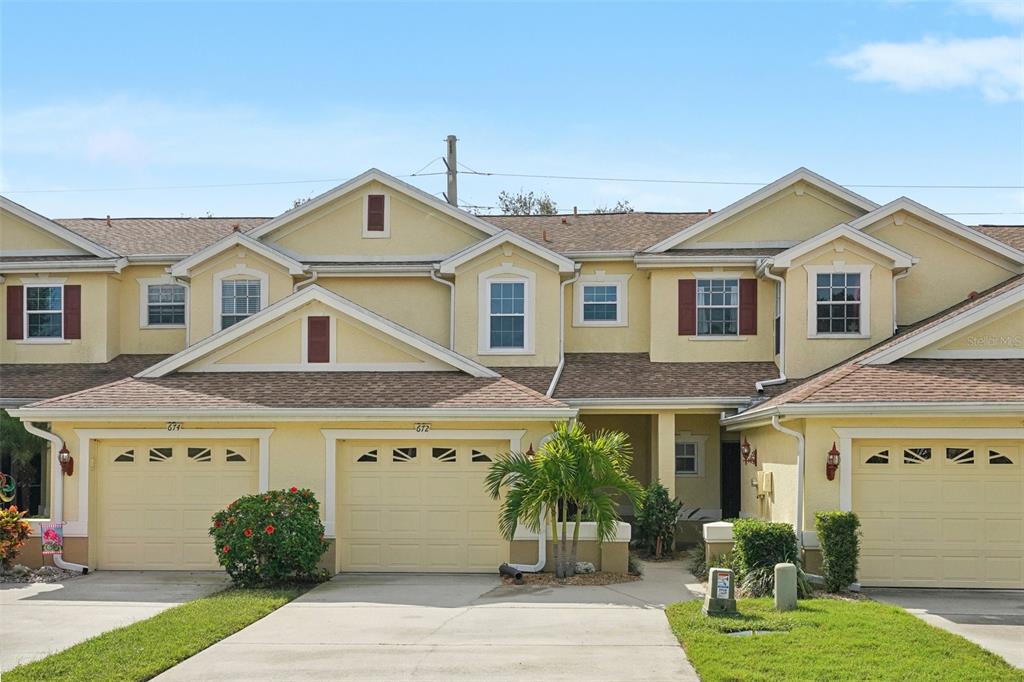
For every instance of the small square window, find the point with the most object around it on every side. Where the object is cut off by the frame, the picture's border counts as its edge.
(165, 304)
(837, 300)
(687, 463)
(600, 303)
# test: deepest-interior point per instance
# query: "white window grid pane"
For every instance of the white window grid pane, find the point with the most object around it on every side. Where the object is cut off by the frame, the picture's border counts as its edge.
(718, 302)
(837, 297)
(44, 299)
(508, 315)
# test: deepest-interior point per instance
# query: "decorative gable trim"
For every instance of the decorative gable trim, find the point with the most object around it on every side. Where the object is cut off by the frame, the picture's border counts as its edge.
(799, 175)
(355, 183)
(56, 230)
(448, 266)
(342, 305)
(954, 324)
(946, 223)
(181, 268)
(900, 259)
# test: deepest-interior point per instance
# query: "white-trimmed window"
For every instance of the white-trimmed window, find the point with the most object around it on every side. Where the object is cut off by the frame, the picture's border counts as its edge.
(506, 311)
(239, 299)
(600, 300)
(44, 311)
(718, 307)
(838, 298)
(689, 454)
(164, 305)
(376, 216)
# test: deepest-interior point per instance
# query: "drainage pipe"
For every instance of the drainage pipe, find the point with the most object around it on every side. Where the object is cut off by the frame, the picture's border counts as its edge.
(798, 526)
(542, 549)
(561, 335)
(896, 278)
(309, 280)
(781, 283)
(451, 307)
(57, 513)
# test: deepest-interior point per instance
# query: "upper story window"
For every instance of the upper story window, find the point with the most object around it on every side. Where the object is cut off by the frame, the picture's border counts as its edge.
(165, 305)
(376, 216)
(44, 311)
(837, 300)
(718, 307)
(239, 299)
(508, 315)
(600, 300)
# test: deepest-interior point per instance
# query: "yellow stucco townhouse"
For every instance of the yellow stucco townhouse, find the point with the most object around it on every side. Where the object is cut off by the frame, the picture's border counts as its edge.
(802, 349)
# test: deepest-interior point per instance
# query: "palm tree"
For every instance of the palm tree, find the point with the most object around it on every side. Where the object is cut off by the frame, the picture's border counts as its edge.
(574, 474)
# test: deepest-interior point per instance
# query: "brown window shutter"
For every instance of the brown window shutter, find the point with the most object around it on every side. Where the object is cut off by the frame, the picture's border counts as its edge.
(748, 306)
(15, 312)
(318, 339)
(72, 311)
(687, 307)
(375, 213)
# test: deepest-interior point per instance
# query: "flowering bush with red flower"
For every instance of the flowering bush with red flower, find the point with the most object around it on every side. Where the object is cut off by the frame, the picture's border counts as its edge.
(14, 530)
(270, 538)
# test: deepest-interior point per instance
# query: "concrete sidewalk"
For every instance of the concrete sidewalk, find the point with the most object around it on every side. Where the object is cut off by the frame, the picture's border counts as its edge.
(465, 627)
(44, 618)
(992, 619)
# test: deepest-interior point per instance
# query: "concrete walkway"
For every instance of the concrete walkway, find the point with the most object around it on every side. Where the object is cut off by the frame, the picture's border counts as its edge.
(44, 618)
(993, 620)
(465, 627)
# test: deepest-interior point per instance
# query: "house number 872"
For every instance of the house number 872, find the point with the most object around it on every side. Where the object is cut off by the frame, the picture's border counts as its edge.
(422, 427)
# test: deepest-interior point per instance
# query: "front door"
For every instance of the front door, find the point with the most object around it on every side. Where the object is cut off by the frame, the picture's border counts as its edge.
(730, 479)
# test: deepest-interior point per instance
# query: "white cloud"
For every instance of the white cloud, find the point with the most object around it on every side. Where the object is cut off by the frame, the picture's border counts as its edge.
(995, 66)
(1001, 10)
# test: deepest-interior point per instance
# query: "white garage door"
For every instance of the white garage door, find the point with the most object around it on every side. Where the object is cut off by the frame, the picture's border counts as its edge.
(939, 513)
(417, 506)
(155, 499)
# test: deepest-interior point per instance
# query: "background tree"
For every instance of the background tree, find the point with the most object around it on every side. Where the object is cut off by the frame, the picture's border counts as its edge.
(24, 451)
(621, 206)
(526, 203)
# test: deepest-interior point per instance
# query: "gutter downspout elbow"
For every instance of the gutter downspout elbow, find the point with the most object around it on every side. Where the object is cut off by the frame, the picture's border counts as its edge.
(451, 307)
(542, 549)
(895, 279)
(57, 513)
(798, 526)
(561, 336)
(309, 280)
(759, 385)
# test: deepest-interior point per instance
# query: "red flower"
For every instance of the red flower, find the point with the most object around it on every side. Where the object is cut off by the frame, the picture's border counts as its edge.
(293, 489)
(217, 524)
(226, 549)
(248, 532)
(269, 529)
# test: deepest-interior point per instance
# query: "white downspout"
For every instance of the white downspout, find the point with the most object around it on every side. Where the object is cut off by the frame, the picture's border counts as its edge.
(451, 307)
(309, 280)
(896, 278)
(561, 335)
(798, 526)
(542, 548)
(57, 515)
(759, 385)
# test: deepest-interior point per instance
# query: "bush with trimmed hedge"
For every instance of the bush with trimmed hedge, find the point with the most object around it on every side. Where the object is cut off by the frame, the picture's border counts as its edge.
(270, 538)
(839, 535)
(758, 546)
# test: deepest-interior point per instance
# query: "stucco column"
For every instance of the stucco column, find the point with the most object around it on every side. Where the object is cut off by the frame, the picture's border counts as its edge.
(666, 452)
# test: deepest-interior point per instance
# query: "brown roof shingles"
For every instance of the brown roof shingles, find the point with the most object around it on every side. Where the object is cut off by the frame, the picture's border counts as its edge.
(597, 231)
(324, 390)
(38, 381)
(157, 236)
(1012, 235)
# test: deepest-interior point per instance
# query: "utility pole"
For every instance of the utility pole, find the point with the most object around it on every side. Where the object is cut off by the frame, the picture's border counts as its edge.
(452, 195)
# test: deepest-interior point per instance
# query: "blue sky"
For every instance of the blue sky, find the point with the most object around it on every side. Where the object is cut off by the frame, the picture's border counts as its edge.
(129, 95)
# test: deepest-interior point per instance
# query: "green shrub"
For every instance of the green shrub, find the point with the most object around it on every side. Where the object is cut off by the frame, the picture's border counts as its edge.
(270, 538)
(839, 535)
(759, 545)
(696, 560)
(14, 530)
(656, 520)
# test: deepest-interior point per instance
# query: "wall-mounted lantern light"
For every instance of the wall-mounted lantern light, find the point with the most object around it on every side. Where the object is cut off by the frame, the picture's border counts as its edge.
(832, 462)
(66, 461)
(749, 456)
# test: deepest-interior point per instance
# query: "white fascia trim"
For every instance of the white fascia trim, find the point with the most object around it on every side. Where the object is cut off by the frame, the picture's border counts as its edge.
(506, 273)
(877, 408)
(56, 230)
(992, 353)
(106, 265)
(865, 299)
(387, 180)
(653, 262)
(369, 269)
(600, 255)
(296, 414)
(144, 284)
(900, 259)
(713, 404)
(947, 328)
(921, 211)
(311, 293)
(448, 266)
(600, 278)
(181, 269)
(800, 174)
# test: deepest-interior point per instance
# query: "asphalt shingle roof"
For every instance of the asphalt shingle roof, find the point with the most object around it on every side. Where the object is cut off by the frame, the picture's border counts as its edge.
(38, 381)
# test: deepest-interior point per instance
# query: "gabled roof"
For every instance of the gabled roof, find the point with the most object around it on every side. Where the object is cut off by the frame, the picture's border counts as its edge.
(563, 264)
(343, 305)
(181, 268)
(171, 237)
(921, 211)
(799, 175)
(900, 259)
(355, 183)
(56, 230)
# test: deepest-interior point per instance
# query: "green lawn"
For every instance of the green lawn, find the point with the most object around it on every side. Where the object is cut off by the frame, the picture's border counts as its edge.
(829, 639)
(143, 650)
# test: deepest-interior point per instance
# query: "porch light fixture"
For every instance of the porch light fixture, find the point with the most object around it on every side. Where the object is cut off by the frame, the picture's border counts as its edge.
(832, 462)
(749, 456)
(66, 461)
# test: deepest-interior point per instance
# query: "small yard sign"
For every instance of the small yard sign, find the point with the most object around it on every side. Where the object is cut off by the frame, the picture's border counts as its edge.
(53, 538)
(720, 598)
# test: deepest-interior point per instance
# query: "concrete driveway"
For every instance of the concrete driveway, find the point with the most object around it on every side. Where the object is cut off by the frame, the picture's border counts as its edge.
(991, 619)
(466, 627)
(47, 617)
